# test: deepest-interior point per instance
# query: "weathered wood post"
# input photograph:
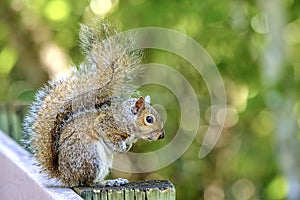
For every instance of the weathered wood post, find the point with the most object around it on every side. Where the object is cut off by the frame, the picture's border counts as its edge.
(141, 190)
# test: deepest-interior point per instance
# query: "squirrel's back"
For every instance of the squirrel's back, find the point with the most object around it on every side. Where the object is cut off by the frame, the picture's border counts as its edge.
(106, 73)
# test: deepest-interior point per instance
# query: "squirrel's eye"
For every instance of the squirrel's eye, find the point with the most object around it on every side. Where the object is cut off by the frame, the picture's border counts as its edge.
(149, 119)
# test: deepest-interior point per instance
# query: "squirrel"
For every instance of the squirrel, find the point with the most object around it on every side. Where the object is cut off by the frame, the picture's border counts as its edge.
(77, 123)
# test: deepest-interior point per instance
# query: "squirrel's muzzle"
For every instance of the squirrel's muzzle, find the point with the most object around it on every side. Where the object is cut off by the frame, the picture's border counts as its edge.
(162, 134)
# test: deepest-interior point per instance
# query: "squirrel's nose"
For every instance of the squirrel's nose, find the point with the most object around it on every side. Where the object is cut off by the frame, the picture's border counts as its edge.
(162, 134)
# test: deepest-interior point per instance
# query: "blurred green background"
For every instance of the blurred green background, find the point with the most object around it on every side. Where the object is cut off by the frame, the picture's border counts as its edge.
(255, 45)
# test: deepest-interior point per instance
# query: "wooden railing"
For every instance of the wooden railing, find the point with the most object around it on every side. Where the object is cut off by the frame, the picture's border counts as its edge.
(21, 180)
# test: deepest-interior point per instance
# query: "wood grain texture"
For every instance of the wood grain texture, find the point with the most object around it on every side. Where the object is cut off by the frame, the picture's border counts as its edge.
(21, 180)
(141, 190)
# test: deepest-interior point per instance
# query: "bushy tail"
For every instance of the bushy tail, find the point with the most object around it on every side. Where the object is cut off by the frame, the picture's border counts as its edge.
(107, 73)
(110, 53)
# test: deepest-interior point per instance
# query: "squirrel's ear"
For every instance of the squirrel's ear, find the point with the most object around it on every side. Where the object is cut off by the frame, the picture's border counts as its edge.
(139, 105)
(148, 99)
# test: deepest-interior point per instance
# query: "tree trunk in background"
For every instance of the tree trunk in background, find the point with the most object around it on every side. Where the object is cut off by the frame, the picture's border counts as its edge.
(280, 92)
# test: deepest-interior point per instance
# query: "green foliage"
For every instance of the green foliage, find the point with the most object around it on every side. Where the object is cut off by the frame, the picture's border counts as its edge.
(39, 39)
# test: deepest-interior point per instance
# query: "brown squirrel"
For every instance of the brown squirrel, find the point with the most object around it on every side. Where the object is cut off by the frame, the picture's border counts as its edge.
(77, 123)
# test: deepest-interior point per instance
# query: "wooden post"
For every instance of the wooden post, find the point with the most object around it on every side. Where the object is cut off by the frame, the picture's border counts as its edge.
(141, 190)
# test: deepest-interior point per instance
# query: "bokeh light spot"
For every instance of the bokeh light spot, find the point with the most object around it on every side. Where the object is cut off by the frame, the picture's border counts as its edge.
(55, 60)
(259, 23)
(277, 189)
(211, 113)
(214, 192)
(8, 59)
(238, 95)
(57, 10)
(243, 189)
(103, 7)
(231, 116)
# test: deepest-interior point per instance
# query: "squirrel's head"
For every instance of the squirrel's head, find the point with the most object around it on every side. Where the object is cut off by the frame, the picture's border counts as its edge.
(148, 124)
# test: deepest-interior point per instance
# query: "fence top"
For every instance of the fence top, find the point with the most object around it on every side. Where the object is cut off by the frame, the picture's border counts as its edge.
(20, 179)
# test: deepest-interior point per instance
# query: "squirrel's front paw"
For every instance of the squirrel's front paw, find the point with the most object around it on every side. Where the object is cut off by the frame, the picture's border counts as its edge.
(116, 182)
(122, 147)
